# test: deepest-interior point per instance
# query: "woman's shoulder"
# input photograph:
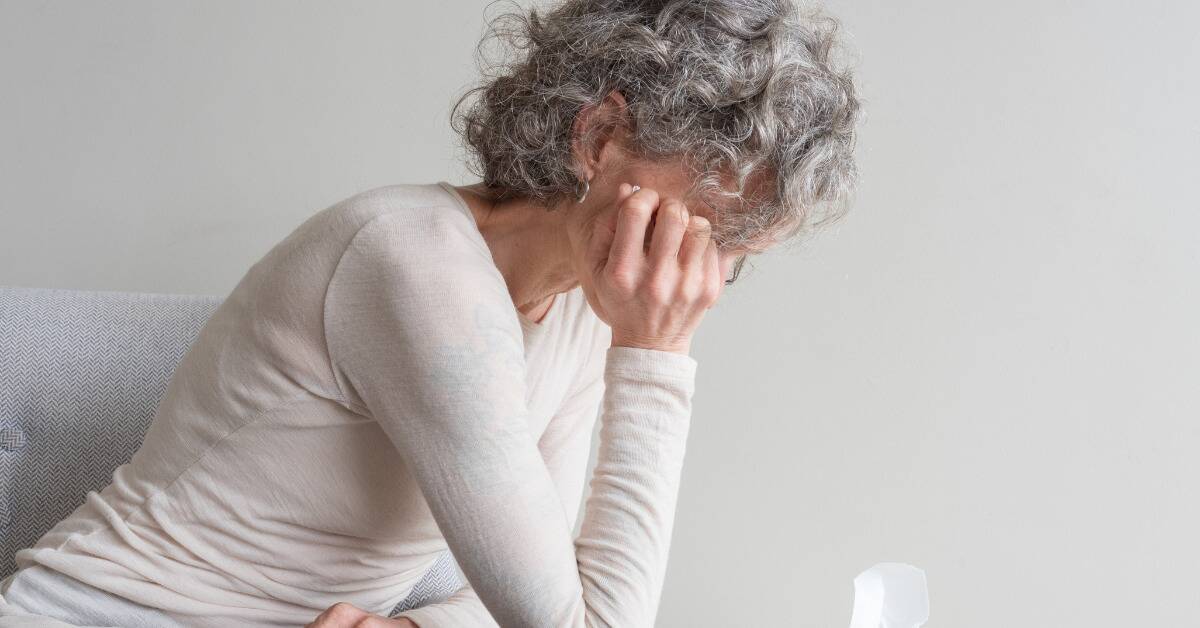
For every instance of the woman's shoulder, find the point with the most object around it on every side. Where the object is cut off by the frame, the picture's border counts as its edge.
(408, 224)
(409, 239)
(403, 196)
(419, 206)
(419, 223)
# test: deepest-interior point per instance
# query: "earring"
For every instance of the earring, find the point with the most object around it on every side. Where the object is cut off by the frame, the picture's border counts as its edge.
(579, 196)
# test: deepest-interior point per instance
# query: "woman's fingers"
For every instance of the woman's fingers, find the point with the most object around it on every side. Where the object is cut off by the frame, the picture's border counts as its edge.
(604, 231)
(346, 615)
(669, 226)
(633, 217)
(340, 615)
(714, 281)
(695, 243)
(655, 298)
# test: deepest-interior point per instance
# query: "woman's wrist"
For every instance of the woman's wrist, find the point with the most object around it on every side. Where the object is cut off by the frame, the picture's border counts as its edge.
(678, 346)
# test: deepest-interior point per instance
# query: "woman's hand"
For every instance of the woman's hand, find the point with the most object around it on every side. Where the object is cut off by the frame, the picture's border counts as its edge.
(653, 298)
(347, 615)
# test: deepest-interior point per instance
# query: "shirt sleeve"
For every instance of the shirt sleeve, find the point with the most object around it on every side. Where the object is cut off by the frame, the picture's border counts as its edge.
(423, 336)
(564, 445)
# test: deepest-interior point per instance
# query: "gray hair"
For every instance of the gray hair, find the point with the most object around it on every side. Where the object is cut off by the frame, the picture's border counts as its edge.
(739, 89)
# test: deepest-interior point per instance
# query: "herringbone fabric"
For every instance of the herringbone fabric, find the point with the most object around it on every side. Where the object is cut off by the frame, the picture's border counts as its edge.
(439, 583)
(81, 374)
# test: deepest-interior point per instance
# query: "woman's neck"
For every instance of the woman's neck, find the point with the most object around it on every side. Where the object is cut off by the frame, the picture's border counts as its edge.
(529, 245)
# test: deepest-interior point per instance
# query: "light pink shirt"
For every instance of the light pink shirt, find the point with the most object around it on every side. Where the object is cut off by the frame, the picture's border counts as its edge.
(368, 395)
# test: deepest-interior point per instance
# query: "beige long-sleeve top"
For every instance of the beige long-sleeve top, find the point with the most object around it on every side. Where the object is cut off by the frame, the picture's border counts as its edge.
(366, 396)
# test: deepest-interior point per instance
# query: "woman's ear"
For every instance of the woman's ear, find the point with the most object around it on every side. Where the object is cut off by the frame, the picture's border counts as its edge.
(600, 134)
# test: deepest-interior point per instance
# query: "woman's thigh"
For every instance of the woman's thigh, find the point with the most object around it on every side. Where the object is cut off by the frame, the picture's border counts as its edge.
(39, 597)
(13, 616)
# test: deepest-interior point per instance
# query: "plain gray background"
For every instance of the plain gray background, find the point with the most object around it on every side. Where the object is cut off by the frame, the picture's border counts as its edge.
(988, 369)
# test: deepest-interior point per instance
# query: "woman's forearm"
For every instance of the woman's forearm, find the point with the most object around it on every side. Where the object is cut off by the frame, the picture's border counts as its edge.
(625, 534)
(627, 522)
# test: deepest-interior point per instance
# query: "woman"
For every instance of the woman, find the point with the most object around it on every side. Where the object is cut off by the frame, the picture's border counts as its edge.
(419, 367)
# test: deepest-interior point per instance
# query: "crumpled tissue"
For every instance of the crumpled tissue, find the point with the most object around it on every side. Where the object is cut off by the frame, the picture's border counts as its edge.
(890, 595)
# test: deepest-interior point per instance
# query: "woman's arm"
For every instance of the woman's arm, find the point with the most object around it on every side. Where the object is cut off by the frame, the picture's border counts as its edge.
(564, 445)
(422, 334)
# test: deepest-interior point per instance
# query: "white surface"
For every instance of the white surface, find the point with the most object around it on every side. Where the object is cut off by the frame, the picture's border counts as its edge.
(890, 595)
(988, 370)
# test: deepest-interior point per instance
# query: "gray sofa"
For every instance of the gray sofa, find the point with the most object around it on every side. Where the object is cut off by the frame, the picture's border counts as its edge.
(81, 374)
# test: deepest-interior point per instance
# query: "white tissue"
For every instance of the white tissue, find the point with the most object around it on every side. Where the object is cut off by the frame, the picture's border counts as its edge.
(890, 595)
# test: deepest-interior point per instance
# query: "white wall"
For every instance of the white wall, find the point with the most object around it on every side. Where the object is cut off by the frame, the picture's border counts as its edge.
(987, 369)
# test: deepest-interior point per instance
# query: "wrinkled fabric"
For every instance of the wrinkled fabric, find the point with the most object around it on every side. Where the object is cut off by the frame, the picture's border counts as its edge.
(70, 603)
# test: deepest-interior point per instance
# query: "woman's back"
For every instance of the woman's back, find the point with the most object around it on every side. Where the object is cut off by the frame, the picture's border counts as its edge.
(262, 492)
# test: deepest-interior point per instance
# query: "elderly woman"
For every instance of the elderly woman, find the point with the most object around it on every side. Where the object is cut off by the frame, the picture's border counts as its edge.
(420, 366)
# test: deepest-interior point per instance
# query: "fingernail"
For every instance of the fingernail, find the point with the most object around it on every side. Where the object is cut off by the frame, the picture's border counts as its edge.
(686, 216)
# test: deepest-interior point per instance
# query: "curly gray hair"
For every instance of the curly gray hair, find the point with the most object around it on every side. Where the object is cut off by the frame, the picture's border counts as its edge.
(737, 88)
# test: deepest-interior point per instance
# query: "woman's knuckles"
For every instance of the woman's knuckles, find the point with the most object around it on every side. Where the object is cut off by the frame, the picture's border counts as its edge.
(678, 213)
(692, 291)
(700, 229)
(645, 197)
(621, 279)
(655, 299)
(633, 209)
(660, 291)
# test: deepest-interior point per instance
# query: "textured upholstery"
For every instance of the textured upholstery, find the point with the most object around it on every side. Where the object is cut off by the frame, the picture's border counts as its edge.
(81, 374)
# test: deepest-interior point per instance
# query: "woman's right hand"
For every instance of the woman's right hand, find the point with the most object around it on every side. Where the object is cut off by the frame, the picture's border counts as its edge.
(655, 297)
